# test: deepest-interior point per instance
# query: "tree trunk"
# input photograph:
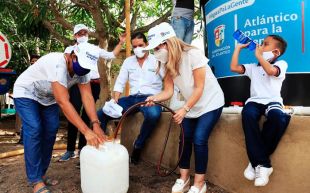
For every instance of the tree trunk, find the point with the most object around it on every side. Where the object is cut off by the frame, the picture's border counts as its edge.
(105, 78)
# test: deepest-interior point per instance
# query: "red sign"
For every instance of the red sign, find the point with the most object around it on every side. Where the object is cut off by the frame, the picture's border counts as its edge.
(5, 51)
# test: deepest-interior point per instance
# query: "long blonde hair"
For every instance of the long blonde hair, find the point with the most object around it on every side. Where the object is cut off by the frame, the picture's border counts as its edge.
(175, 49)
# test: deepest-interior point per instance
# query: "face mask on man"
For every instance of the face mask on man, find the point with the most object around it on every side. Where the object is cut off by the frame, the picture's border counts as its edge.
(78, 69)
(139, 52)
(82, 39)
(268, 56)
(161, 55)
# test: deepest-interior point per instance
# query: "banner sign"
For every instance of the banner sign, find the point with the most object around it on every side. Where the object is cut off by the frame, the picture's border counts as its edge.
(257, 19)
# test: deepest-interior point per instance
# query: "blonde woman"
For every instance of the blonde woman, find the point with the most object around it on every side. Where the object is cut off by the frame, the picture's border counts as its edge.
(187, 68)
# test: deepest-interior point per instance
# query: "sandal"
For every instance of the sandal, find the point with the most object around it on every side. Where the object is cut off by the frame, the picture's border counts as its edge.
(49, 181)
(42, 189)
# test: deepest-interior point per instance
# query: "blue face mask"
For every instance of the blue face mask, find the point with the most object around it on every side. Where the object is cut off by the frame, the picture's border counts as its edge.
(79, 70)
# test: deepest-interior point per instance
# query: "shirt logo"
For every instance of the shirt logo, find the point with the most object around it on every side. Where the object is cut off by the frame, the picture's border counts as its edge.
(150, 37)
(164, 33)
(90, 56)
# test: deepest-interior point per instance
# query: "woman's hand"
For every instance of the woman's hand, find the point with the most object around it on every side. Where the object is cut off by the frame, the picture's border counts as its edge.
(179, 115)
(150, 101)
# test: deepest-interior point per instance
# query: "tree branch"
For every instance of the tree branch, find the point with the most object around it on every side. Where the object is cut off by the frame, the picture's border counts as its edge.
(156, 22)
(58, 36)
(133, 21)
(97, 16)
(66, 25)
(83, 5)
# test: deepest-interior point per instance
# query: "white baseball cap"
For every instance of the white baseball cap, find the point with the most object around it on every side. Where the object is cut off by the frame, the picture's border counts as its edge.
(158, 34)
(79, 27)
(88, 55)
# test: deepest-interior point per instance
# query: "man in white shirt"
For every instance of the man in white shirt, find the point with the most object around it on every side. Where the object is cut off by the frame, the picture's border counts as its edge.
(145, 79)
(40, 91)
(80, 33)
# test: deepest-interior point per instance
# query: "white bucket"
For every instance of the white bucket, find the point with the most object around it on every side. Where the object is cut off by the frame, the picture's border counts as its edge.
(104, 170)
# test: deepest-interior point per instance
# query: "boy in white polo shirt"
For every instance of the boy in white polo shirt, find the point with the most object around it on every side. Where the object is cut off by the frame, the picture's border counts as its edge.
(266, 82)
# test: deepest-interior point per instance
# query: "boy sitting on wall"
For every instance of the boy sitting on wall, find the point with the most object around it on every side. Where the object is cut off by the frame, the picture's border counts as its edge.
(266, 82)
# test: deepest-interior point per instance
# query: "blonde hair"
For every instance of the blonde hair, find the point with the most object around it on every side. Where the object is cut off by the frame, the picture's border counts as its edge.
(175, 48)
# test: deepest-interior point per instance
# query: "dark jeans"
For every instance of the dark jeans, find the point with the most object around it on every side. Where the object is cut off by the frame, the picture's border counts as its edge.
(260, 144)
(40, 125)
(197, 132)
(151, 117)
(75, 99)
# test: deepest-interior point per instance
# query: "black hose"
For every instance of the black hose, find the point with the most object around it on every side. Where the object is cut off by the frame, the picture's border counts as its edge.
(166, 173)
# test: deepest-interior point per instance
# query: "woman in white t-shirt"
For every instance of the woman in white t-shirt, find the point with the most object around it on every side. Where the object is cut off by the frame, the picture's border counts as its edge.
(187, 68)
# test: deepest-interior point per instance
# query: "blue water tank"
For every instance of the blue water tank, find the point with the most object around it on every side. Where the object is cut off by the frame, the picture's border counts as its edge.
(257, 19)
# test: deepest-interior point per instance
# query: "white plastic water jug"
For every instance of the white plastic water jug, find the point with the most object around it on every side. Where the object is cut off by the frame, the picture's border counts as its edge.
(104, 170)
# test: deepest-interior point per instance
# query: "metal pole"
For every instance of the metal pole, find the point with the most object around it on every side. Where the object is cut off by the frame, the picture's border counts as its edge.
(128, 44)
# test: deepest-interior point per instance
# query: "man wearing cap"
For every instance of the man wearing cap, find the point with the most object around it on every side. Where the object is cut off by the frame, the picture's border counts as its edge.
(81, 36)
(39, 92)
(145, 79)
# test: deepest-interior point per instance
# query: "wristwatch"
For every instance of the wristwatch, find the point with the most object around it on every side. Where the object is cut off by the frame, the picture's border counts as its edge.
(187, 109)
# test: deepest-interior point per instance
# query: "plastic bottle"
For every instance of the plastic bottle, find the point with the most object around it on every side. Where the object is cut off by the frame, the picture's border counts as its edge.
(244, 39)
(104, 170)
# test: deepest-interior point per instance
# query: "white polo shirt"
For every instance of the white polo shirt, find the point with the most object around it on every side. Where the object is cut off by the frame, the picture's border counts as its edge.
(142, 80)
(212, 97)
(265, 88)
(36, 82)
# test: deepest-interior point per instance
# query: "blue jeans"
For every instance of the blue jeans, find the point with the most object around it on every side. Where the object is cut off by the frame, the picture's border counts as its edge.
(197, 132)
(40, 125)
(151, 117)
(260, 144)
(184, 28)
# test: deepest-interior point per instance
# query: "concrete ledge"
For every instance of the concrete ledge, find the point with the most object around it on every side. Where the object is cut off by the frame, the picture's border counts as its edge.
(227, 154)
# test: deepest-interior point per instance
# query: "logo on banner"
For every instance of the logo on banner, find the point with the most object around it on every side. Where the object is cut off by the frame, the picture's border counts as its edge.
(219, 35)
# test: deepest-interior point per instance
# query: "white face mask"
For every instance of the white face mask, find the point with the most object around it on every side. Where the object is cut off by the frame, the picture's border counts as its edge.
(139, 52)
(268, 56)
(161, 55)
(82, 39)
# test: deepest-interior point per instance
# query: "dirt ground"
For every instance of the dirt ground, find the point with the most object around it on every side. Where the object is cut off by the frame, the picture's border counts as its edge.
(143, 178)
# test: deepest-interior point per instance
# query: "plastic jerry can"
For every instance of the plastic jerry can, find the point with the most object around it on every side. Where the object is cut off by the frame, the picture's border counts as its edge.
(104, 170)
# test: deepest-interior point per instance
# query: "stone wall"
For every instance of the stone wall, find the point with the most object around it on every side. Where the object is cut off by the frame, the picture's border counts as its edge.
(227, 153)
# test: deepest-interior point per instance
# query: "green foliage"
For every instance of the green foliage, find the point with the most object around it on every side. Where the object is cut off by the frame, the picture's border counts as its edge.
(42, 26)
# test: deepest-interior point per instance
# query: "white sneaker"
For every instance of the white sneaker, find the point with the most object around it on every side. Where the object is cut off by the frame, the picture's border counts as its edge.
(180, 186)
(262, 175)
(249, 172)
(194, 189)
